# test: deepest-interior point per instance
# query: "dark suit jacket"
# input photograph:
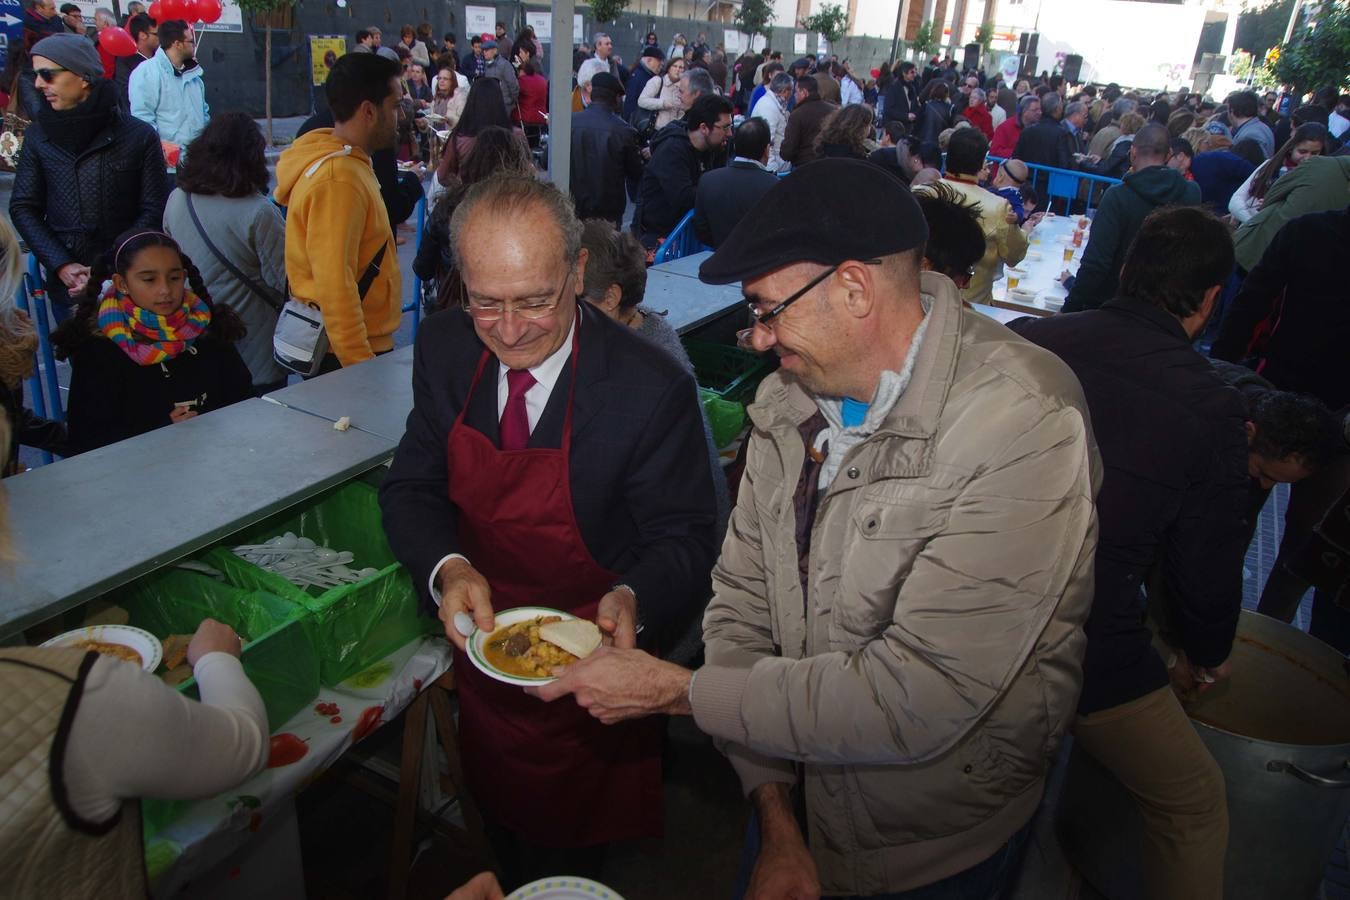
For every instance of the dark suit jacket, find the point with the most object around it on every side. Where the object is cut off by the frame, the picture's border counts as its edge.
(605, 163)
(799, 138)
(1047, 143)
(641, 485)
(725, 196)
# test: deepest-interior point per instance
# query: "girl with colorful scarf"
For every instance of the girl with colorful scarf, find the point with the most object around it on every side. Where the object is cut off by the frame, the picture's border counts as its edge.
(148, 348)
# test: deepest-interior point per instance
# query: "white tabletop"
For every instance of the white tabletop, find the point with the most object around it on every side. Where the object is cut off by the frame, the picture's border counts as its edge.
(1043, 266)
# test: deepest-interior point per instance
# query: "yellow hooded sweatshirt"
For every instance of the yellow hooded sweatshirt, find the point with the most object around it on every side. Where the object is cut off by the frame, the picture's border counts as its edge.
(335, 224)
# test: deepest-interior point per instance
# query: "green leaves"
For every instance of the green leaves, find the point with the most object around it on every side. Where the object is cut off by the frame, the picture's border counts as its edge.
(1319, 54)
(831, 21)
(754, 17)
(607, 10)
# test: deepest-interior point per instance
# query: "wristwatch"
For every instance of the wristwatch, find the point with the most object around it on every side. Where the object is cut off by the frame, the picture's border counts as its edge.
(637, 607)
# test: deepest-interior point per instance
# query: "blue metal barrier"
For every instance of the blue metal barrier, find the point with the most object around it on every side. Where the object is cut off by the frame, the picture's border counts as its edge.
(44, 388)
(416, 306)
(1066, 185)
(680, 242)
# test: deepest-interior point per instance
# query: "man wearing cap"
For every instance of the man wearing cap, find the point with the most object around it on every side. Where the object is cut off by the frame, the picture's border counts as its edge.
(82, 153)
(606, 164)
(648, 67)
(895, 639)
(500, 68)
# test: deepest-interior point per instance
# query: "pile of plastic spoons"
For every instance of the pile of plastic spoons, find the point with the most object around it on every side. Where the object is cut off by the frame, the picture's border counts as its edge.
(302, 562)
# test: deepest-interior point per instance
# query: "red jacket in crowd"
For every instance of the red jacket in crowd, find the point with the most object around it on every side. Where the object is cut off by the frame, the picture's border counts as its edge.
(979, 117)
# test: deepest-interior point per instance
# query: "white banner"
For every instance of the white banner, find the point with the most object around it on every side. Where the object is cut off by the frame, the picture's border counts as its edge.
(577, 31)
(542, 23)
(231, 19)
(480, 20)
(731, 40)
(799, 44)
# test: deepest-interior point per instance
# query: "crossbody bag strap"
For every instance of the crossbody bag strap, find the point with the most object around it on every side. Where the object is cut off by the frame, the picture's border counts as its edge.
(372, 270)
(234, 270)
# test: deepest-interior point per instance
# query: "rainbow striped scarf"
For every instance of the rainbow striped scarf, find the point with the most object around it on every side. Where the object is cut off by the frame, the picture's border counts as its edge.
(147, 337)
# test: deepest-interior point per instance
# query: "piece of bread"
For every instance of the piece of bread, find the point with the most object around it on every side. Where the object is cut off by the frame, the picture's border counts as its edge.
(578, 637)
(175, 650)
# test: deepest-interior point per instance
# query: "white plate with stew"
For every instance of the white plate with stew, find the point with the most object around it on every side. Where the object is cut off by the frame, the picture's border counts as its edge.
(493, 662)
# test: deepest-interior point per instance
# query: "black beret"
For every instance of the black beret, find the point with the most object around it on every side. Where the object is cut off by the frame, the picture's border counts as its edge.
(654, 53)
(827, 212)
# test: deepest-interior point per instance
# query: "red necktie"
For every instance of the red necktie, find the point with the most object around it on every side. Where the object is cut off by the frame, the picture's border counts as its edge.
(515, 422)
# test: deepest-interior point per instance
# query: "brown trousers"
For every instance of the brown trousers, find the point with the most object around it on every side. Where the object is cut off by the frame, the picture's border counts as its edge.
(1154, 751)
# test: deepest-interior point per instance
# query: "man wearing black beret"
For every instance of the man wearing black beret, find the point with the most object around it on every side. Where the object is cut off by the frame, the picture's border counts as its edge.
(895, 640)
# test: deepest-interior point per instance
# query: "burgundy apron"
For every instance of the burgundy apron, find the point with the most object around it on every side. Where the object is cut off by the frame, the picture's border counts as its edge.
(549, 772)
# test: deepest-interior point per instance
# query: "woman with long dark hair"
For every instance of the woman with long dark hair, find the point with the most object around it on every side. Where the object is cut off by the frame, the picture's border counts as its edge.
(147, 347)
(495, 151)
(1309, 139)
(484, 109)
(221, 216)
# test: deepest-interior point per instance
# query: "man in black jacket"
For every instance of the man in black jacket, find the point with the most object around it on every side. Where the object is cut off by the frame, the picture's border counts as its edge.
(613, 521)
(145, 33)
(725, 195)
(681, 152)
(605, 158)
(902, 98)
(86, 178)
(1301, 275)
(1047, 143)
(1172, 438)
(1149, 185)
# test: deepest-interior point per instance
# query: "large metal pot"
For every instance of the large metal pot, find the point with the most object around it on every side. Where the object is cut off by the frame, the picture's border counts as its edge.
(1280, 730)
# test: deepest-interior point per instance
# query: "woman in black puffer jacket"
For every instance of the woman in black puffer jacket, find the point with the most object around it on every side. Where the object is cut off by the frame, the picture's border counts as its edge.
(87, 172)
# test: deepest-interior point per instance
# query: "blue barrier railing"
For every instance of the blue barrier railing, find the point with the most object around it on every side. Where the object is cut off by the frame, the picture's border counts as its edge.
(44, 388)
(415, 307)
(1066, 185)
(680, 242)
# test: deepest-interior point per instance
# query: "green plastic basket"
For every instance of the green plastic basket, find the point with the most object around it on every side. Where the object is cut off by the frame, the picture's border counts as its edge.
(729, 372)
(278, 656)
(726, 418)
(353, 625)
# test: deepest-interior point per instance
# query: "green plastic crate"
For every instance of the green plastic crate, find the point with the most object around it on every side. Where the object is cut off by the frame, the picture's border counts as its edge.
(729, 372)
(725, 418)
(279, 655)
(353, 625)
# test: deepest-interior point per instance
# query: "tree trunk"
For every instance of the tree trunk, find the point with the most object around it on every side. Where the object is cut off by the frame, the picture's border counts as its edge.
(267, 81)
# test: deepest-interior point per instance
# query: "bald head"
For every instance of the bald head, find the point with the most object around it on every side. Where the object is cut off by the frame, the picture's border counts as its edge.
(1151, 144)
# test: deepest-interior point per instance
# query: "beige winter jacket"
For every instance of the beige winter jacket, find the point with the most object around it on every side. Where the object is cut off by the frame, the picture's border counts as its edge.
(926, 680)
(1004, 242)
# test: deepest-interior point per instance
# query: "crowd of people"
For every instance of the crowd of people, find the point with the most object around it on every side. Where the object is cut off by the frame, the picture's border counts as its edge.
(947, 535)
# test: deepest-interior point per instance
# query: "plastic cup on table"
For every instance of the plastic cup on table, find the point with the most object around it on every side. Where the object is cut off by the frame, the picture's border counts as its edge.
(1015, 277)
(1068, 253)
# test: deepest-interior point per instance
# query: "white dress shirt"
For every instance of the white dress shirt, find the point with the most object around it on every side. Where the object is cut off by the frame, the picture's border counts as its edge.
(536, 399)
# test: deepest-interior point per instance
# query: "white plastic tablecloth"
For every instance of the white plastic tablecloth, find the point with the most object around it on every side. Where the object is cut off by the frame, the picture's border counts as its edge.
(1044, 264)
(210, 830)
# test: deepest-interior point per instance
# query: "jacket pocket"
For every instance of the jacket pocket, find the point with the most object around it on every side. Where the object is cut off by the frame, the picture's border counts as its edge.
(879, 548)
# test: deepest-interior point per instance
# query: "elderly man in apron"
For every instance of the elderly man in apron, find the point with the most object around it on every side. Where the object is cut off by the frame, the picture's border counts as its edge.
(551, 458)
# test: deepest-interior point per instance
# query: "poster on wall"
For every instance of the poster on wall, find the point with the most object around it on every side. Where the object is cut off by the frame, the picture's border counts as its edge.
(324, 50)
(731, 41)
(542, 23)
(578, 31)
(480, 20)
(822, 45)
(231, 19)
(799, 44)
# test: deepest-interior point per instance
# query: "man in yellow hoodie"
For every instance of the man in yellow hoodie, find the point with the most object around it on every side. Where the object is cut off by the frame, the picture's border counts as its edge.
(337, 230)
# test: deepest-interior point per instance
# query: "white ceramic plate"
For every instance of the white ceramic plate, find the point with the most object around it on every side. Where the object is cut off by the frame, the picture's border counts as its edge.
(564, 887)
(138, 639)
(479, 639)
(1021, 295)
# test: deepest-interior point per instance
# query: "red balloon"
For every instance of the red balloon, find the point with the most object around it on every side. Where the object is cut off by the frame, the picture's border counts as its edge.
(155, 11)
(208, 11)
(189, 11)
(117, 42)
(172, 10)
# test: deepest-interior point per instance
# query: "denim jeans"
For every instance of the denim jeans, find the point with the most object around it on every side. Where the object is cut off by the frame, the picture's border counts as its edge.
(992, 879)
